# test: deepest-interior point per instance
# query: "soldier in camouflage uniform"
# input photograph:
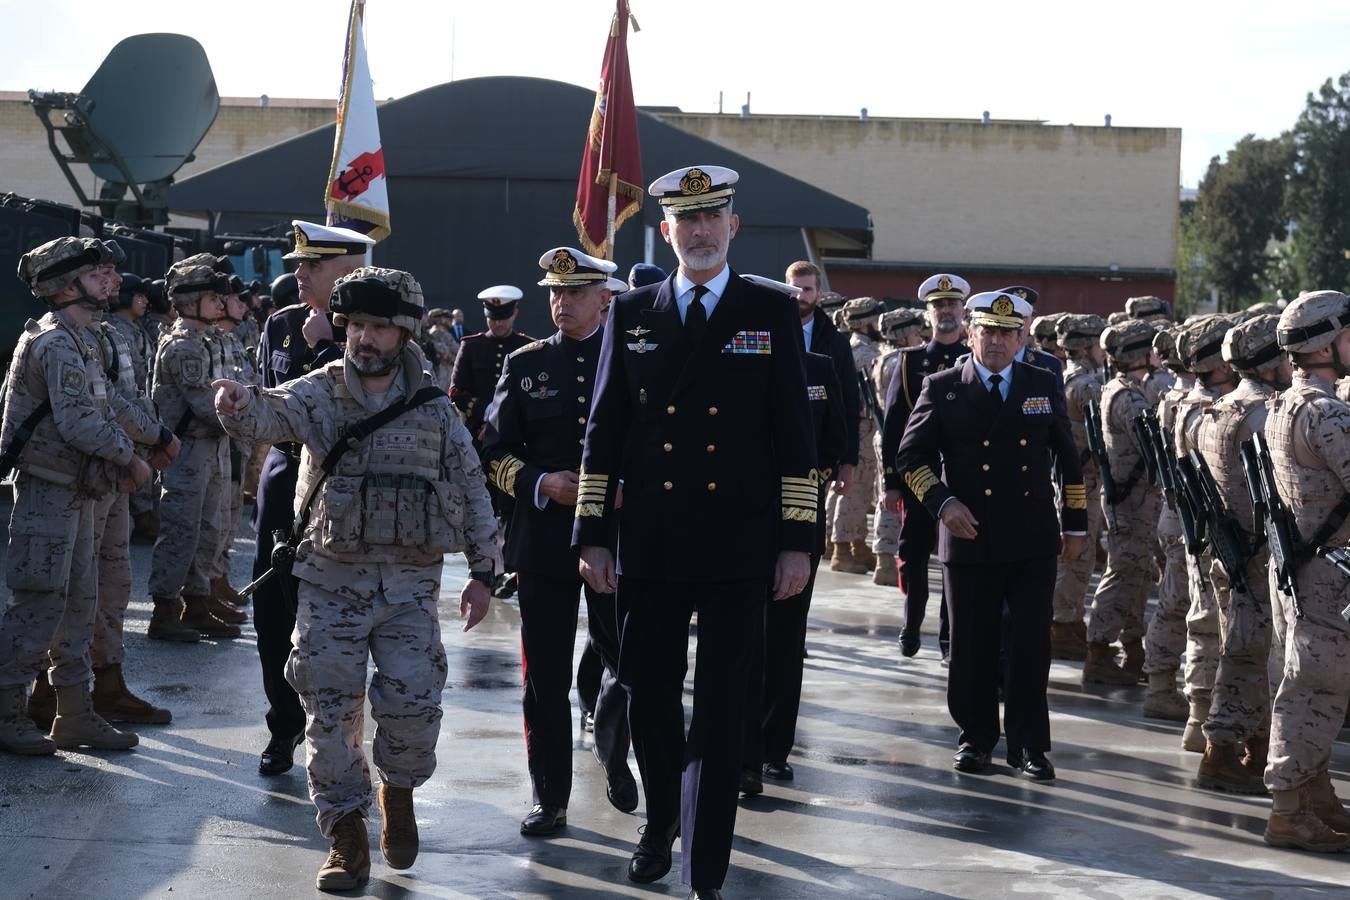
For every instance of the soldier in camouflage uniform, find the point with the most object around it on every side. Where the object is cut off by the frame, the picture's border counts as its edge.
(128, 311)
(849, 534)
(1240, 709)
(186, 551)
(1165, 638)
(1306, 430)
(73, 442)
(369, 569)
(440, 346)
(1079, 337)
(1200, 345)
(1118, 606)
(1044, 330)
(899, 328)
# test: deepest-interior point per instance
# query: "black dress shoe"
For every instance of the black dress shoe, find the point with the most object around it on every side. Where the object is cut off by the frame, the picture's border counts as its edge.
(651, 859)
(751, 782)
(279, 756)
(1033, 765)
(972, 761)
(543, 820)
(504, 588)
(588, 722)
(909, 644)
(778, 771)
(705, 894)
(622, 791)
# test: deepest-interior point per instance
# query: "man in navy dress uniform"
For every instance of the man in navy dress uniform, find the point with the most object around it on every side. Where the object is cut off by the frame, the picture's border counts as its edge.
(994, 427)
(701, 417)
(532, 450)
(481, 356)
(943, 295)
(295, 340)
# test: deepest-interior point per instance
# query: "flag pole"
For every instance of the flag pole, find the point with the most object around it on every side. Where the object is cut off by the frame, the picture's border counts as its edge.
(613, 203)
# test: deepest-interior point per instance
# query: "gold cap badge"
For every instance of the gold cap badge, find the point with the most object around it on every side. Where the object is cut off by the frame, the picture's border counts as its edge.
(695, 182)
(944, 283)
(563, 263)
(1002, 307)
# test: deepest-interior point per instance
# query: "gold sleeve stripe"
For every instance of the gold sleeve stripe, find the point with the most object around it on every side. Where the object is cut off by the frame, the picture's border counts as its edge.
(590, 478)
(1075, 496)
(505, 472)
(591, 492)
(799, 514)
(590, 510)
(920, 481)
(810, 493)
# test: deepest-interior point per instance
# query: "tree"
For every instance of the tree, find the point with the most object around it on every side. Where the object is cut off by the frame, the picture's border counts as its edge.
(1318, 200)
(1239, 211)
(1192, 287)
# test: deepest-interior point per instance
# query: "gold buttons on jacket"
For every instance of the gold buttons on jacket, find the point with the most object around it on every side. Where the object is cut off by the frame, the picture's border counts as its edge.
(668, 447)
(985, 467)
(668, 485)
(581, 378)
(986, 443)
(581, 399)
(581, 359)
(1024, 468)
(670, 410)
(712, 448)
(581, 420)
(988, 492)
(1026, 493)
(712, 485)
(712, 410)
(1022, 442)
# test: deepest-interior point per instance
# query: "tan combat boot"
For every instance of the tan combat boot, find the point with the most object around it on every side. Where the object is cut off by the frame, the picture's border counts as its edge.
(166, 624)
(222, 590)
(1326, 805)
(18, 734)
(42, 703)
(1220, 770)
(1193, 737)
(1256, 757)
(1134, 659)
(843, 561)
(886, 573)
(863, 555)
(224, 610)
(1100, 666)
(1293, 823)
(1163, 700)
(197, 615)
(398, 826)
(114, 701)
(77, 725)
(348, 863)
(1068, 640)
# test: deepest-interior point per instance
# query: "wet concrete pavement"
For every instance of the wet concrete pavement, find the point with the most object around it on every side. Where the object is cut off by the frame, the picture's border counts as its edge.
(875, 810)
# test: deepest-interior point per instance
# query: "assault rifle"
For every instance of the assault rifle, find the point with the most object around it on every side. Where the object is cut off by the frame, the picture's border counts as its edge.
(1281, 531)
(868, 392)
(1251, 475)
(1096, 441)
(1232, 551)
(1152, 464)
(1174, 492)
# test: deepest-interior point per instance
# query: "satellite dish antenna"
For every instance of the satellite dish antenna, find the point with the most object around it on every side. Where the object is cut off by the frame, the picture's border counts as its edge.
(136, 122)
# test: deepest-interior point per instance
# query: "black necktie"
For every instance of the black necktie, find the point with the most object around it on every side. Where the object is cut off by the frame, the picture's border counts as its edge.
(696, 317)
(994, 381)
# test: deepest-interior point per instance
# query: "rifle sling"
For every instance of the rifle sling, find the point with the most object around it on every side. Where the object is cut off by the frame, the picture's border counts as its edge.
(22, 435)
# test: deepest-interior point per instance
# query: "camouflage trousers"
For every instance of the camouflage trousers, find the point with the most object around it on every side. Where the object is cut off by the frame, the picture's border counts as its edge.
(1122, 594)
(112, 535)
(1309, 707)
(53, 585)
(231, 504)
(885, 523)
(1071, 578)
(831, 510)
(188, 547)
(1165, 639)
(1240, 706)
(1279, 629)
(335, 634)
(146, 497)
(850, 516)
(1203, 643)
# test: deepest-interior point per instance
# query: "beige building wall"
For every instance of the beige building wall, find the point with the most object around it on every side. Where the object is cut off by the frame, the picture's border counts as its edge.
(961, 191)
(243, 125)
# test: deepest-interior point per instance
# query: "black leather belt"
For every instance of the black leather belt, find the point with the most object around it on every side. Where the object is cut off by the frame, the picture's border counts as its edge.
(290, 448)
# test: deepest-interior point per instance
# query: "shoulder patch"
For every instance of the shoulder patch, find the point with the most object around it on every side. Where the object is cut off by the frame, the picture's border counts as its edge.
(74, 382)
(191, 370)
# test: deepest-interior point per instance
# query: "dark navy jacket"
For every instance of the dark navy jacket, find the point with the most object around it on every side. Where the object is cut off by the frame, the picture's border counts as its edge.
(477, 368)
(831, 342)
(829, 425)
(916, 364)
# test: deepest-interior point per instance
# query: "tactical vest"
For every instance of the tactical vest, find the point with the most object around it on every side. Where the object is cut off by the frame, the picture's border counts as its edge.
(1311, 493)
(1188, 412)
(47, 455)
(1219, 430)
(1122, 453)
(116, 359)
(168, 393)
(1081, 385)
(387, 500)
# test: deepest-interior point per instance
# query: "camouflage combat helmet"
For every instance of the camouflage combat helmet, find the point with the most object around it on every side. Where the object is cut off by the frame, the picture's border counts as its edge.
(1149, 308)
(1312, 320)
(1165, 345)
(1252, 346)
(54, 266)
(388, 296)
(1043, 328)
(1128, 341)
(1076, 331)
(1265, 306)
(187, 283)
(899, 322)
(858, 310)
(1200, 343)
(1117, 317)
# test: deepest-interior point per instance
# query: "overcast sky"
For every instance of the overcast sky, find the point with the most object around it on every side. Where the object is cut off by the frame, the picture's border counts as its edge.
(1217, 70)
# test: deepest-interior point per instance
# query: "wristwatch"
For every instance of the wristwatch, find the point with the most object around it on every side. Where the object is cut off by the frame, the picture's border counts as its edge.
(484, 578)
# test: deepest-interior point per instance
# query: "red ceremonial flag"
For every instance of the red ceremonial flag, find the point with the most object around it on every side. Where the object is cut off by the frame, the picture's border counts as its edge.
(609, 190)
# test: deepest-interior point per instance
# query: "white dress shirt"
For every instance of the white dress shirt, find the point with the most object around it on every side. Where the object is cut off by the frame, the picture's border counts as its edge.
(684, 291)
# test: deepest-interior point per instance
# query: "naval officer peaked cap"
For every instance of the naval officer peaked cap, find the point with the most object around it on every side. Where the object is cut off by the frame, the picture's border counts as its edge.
(695, 187)
(314, 241)
(569, 267)
(996, 309)
(942, 285)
